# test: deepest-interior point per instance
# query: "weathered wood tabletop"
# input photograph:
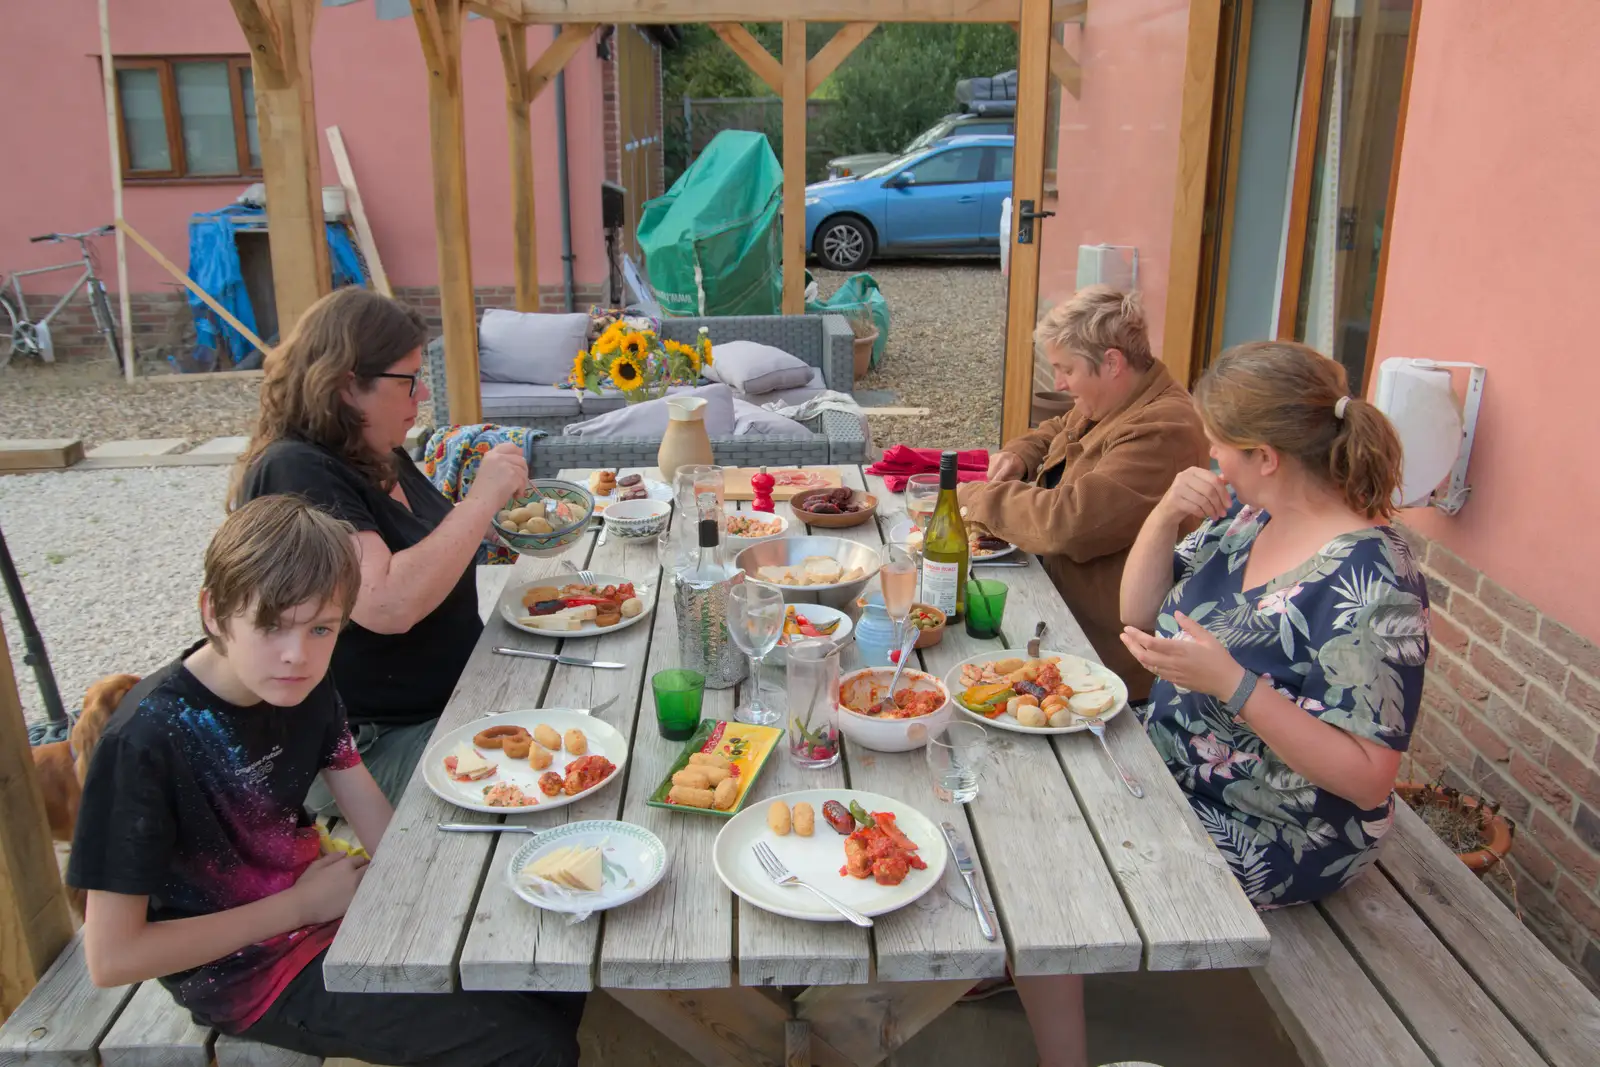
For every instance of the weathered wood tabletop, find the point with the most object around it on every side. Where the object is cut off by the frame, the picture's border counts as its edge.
(1084, 877)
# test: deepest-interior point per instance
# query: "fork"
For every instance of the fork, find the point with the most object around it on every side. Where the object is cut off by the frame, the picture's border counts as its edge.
(1098, 728)
(585, 577)
(782, 875)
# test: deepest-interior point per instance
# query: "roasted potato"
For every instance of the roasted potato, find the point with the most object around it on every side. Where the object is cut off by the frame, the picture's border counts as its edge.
(1029, 715)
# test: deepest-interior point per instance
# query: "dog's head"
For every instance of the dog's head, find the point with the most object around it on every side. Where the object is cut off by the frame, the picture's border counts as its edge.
(98, 704)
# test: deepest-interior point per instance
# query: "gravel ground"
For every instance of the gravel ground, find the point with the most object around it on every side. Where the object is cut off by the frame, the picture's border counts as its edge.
(110, 562)
(91, 401)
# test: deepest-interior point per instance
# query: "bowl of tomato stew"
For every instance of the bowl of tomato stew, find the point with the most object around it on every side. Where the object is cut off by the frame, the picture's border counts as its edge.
(922, 708)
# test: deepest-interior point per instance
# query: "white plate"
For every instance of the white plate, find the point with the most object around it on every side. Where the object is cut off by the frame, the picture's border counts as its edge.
(512, 611)
(604, 740)
(1070, 665)
(900, 531)
(817, 859)
(632, 861)
(821, 613)
(654, 490)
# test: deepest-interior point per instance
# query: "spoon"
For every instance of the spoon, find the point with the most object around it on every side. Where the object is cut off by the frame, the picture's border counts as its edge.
(887, 705)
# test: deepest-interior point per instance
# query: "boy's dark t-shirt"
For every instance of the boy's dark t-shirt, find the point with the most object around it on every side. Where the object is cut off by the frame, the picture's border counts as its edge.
(198, 804)
(390, 679)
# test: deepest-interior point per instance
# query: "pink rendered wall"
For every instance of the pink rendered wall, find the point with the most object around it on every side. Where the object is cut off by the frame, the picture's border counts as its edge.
(370, 81)
(1494, 260)
(1118, 156)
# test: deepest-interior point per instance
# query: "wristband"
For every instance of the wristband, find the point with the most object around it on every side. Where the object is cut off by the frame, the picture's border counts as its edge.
(1247, 685)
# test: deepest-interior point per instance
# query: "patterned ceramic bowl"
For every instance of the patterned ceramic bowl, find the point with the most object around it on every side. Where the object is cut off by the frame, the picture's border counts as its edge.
(637, 518)
(518, 523)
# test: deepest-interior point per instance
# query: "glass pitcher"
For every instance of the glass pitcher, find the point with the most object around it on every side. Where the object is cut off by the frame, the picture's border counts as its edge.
(812, 684)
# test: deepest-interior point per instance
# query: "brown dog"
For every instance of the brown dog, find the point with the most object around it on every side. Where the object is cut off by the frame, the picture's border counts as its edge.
(60, 774)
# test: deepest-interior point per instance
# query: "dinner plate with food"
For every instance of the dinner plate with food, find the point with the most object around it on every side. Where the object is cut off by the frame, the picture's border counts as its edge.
(610, 488)
(588, 866)
(1056, 693)
(871, 852)
(981, 544)
(524, 760)
(562, 606)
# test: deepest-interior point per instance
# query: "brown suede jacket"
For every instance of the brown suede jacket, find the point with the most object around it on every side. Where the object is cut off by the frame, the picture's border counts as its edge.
(1087, 490)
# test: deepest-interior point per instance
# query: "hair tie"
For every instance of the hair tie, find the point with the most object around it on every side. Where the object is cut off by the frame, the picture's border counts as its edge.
(1339, 407)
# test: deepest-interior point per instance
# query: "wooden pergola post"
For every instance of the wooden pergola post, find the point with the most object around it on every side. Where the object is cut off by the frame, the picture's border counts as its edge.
(279, 34)
(513, 38)
(439, 25)
(794, 168)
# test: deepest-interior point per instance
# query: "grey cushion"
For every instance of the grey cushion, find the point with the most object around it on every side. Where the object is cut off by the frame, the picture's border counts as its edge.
(790, 397)
(750, 418)
(531, 349)
(649, 419)
(612, 399)
(752, 367)
(502, 400)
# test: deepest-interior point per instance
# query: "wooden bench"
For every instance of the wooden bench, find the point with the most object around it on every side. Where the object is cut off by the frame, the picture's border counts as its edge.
(67, 1021)
(1417, 963)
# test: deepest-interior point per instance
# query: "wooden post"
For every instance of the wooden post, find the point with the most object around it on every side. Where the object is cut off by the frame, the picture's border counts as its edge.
(439, 26)
(279, 34)
(34, 921)
(114, 136)
(794, 168)
(513, 38)
(1033, 87)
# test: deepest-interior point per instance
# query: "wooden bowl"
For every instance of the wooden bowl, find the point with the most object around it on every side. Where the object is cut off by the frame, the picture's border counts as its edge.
(933, 634)
(834, 522)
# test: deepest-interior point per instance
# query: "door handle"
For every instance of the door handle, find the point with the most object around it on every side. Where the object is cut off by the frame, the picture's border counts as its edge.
(1025, 218)
(965, 199)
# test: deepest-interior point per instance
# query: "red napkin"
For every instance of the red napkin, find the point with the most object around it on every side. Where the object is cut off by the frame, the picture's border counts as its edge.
(900, 462)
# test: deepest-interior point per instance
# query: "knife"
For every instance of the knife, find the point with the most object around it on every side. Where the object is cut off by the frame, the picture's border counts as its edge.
(1000, 563)
(597, 709)
(964, 865)
(565, 661)
(487, 828)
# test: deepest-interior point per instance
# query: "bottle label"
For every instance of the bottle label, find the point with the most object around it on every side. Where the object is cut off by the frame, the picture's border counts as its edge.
(939, 584)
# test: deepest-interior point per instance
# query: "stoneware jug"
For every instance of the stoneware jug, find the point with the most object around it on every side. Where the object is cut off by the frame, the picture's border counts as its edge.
(686, 441)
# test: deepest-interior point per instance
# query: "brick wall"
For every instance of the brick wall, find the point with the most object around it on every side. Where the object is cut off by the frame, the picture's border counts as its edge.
(426, 299)
(1511, 711)
(611, 121)
(74, 335)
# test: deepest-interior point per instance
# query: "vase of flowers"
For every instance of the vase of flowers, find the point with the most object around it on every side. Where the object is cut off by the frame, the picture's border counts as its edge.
(638, 363)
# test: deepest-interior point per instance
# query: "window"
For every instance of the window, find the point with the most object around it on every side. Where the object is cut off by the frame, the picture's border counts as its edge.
(1002, 164)
(947, 168)
(188, 118)
(974, 129)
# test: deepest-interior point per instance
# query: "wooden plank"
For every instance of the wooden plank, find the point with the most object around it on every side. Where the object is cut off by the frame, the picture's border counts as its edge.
(61, 1026)
(866, 1024)
(511, 945)
(1189, 187)
(1022, 307)
(358, 212)
(1069, 11)
(403, 929)
(797, 1043)
(190, 284)
(650, 12)
(513, 39)
(794, 168)
(1222, 179)
(1545, 1000)
(108, 89)
(1448, 1012)
(153, 1031)
(1333, 1014)
(1305, 157)
(844, 41)
(1184, 900)
(738, 1027)
(260, 31)
(553, 60)
(447, 138)
(1066, 69)
(753, 52)
(239, 1052)
(55, 453)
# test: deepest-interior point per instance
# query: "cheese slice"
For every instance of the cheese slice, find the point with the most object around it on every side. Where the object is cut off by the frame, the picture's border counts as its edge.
(561, 620)
(468, 763)
(572, 868)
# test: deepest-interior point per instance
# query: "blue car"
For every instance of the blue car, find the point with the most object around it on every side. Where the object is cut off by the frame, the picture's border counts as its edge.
(942, 200)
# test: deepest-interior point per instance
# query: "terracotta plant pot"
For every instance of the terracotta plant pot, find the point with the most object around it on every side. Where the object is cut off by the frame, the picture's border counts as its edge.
(863, 353)
(1047, 405)
(1500, 831)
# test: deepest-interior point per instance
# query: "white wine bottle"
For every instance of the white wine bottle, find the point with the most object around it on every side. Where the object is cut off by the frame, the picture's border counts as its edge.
(944, 547)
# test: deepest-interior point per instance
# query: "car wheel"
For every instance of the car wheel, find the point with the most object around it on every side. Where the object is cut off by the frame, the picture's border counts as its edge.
(844, 243)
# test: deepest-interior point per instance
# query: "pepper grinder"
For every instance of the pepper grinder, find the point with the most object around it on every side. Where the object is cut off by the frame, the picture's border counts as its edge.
(761, 484)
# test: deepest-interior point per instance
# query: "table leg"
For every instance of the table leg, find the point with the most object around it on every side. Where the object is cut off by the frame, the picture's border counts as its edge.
(865, 1023)
(737, 1027)
(1054, 1004)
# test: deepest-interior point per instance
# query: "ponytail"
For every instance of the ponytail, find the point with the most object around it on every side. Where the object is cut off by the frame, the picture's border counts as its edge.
(1364, 462)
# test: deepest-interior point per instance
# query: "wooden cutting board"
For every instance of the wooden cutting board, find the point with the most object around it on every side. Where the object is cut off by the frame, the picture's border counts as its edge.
(736, 482)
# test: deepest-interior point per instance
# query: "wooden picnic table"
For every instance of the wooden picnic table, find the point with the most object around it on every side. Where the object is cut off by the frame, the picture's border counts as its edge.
(1084, 877)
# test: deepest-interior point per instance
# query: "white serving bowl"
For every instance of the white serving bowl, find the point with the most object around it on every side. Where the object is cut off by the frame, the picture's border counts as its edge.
(737, 544)
(637, 518)
(890, 735)
(816, 613)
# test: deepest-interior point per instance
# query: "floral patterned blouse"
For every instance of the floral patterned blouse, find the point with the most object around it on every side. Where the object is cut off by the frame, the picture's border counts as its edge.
(1345, 636)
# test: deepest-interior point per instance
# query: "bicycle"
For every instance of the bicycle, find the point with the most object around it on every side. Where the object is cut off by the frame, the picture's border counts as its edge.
(31, 337)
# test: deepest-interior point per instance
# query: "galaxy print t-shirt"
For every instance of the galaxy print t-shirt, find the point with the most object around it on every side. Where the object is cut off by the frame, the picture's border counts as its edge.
(199, 805)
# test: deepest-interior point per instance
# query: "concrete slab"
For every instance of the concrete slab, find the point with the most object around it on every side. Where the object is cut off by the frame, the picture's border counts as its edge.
(876, 398)
(159, 446)
(220, 446)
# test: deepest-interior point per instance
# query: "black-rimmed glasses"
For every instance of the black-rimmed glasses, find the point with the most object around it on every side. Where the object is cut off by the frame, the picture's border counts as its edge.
(415, 378)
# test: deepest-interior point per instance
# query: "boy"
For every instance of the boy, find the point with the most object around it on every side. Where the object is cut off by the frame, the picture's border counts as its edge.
(201, 865)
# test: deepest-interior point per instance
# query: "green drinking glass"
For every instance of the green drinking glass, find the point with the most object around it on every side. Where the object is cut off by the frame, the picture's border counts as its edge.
(986, 605)
(678, 697)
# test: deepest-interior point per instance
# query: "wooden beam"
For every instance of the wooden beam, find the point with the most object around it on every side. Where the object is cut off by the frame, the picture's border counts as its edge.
(1189, 192)
(794, 167)
(1065, 68)
(657, 12)
(260, 32)
(513, 40)
(358, 211)
(555, 57)
(753, 52)
(35, 924)
(839, 46)
(1305, 159)
(1022, 308)
(114, 138)
(1070, 11)
(447, 139)
(189, 283)
(430, 30)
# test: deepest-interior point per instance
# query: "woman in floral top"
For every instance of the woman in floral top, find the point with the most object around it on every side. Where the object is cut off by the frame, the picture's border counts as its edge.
(1289, 631)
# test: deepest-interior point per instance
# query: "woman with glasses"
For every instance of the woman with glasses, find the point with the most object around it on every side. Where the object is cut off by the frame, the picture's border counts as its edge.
(337, 399)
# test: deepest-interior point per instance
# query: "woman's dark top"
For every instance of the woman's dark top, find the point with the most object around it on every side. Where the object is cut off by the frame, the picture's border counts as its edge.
(387, 679)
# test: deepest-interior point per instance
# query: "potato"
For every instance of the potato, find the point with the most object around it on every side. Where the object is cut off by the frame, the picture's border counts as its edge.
(778, 818)
(693, 778)
(547, 737)
(505, 519)
(1061, 717)
(1017, 703)
(805, 819)
(690, 797)
(538, 757)
(523, 514)
(1028, 715)
(631, 607)
(575, 742)
(725, 794)
(536, 526)
(709, 759)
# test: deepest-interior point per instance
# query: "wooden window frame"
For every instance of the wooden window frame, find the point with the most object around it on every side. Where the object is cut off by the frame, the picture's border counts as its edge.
(165, 68)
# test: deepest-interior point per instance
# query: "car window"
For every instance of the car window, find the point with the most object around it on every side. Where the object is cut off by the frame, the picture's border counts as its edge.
(956, 165)
(932, 134)
(1002, 164)
(977, 128)
(890, 167)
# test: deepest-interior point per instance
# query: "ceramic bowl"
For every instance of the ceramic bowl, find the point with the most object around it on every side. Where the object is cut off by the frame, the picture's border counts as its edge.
(868, 502)
(933, 634)
(574, 499)
(820, 614)
(738, 543)
(637, 518)
(865, 687)
(792, 551)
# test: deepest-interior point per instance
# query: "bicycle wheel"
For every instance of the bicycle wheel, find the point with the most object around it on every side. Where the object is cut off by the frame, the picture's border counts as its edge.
(8, 321)
(103, 320)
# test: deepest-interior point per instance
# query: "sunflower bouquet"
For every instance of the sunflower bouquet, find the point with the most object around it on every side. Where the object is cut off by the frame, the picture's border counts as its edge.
(638, 363)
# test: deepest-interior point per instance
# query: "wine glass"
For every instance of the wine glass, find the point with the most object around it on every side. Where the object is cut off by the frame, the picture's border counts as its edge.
(922, 494)
(755, 621)
(897, 573)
